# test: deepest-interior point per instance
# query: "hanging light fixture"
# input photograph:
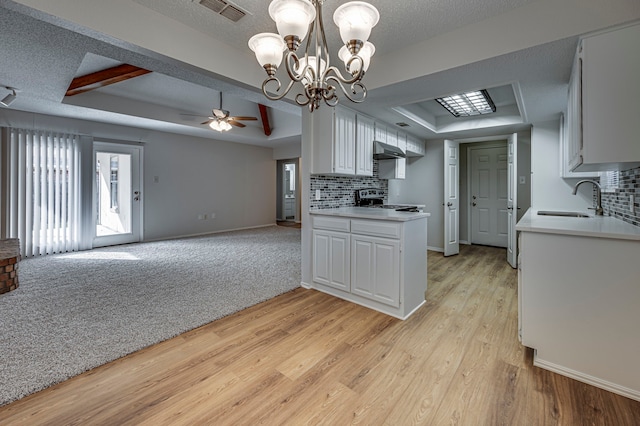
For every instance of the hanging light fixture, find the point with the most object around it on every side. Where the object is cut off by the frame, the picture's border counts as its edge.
(300, 19)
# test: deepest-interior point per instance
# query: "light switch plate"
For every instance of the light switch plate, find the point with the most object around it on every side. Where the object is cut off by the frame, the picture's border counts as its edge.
(522, 180)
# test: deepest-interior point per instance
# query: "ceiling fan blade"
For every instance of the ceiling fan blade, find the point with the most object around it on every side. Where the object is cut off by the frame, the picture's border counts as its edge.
(235, 123)
(243, 118)
(207, 122)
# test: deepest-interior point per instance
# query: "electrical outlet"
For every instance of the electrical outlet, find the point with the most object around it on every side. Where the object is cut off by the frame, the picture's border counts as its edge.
(522, 180)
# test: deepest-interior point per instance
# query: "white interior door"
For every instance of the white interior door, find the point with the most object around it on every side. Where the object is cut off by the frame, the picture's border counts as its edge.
(451, 198)
(489, 193)
(117, 197)
(512, 199)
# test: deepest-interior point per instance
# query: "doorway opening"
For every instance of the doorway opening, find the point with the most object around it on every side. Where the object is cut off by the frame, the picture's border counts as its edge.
(288, 190)
(461, 223)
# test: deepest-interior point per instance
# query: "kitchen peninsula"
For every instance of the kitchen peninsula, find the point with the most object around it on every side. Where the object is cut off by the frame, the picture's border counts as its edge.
(373, 257)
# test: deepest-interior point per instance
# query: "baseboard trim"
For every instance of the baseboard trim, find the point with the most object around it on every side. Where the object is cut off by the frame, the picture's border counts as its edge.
(438, 249)
(586, 378)
(200, 234)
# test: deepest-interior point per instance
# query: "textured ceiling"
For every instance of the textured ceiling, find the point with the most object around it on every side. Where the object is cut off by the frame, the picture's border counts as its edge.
(43, 53)
(401, 23)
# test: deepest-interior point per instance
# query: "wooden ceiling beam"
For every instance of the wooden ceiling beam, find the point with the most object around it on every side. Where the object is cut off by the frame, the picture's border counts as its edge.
(103, 78)
(265, 119)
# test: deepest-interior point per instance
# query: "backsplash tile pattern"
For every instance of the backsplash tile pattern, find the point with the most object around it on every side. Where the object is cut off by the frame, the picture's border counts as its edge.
(617, 204)
(339, 191)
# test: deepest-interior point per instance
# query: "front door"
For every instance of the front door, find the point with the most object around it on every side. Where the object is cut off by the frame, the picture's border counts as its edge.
(117, 194)
(489, 219)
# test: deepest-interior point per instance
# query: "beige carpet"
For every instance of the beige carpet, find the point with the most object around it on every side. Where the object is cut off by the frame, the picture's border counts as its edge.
(75, 311)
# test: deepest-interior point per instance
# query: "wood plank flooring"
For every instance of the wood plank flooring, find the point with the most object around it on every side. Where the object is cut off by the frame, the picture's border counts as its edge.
(308, 358)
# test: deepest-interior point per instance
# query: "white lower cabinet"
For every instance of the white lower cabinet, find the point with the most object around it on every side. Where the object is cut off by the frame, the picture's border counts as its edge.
(375, 271)
(331, 259)
(578, 307)
(380, 264)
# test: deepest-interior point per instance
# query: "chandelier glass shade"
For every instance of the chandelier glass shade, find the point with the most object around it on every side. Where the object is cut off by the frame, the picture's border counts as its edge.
(297, 20)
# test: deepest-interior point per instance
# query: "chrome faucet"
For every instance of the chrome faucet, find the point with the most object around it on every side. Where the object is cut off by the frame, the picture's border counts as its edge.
(598, 207)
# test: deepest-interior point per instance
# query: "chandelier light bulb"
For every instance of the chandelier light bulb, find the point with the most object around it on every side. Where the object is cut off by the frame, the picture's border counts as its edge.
(292, 17)
(366, 52)
(268, 48)
(355, 20)
(308, 78)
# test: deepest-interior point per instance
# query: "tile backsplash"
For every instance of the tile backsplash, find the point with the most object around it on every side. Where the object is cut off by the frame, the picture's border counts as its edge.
(617, 204)
(339, 191)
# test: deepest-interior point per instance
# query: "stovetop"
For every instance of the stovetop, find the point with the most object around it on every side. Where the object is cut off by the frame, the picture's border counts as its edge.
(374, 198)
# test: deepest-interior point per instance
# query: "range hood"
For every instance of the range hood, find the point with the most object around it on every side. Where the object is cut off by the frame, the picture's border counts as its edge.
(384, 151)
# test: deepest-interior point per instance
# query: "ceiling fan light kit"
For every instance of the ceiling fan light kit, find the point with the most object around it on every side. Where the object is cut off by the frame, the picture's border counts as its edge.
(222, 122)
(300, 19)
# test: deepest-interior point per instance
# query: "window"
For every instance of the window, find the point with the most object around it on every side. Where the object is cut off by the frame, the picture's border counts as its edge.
(114, 182)
(609, 181)
(44, 191)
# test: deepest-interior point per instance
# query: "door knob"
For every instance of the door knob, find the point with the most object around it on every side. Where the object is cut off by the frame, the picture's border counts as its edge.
(473, 204)
(474, 197)
(449, 204)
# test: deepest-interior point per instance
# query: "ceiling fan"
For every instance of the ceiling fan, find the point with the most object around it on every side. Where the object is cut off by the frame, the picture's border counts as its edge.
(222, 121)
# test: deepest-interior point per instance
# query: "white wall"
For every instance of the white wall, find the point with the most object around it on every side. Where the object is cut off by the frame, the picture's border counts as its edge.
(424, 184)
(548, 190)
(288, 151)
(196, 176)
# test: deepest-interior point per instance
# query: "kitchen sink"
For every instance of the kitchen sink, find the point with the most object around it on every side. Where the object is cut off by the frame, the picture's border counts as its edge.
(561, 213)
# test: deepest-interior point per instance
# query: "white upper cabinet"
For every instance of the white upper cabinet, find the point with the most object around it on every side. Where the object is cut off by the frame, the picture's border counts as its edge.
(342, 142)
(603, 107)
(344, 153)
(381, 132)
(333, 133)
(415, 147)
(392, 137)
(365, 133)
(394, 169)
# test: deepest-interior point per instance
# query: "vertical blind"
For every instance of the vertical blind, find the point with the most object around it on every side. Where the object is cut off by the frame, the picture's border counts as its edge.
(44, 191)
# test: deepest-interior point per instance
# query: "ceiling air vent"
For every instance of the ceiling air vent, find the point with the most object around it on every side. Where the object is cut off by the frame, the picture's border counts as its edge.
(224, 8)
(402, 124)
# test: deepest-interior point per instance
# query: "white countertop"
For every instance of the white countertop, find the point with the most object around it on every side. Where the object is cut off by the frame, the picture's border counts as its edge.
(592, 226)
(371, 213)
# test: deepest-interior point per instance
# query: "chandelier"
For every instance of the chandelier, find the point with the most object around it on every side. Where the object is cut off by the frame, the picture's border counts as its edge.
(297, 19)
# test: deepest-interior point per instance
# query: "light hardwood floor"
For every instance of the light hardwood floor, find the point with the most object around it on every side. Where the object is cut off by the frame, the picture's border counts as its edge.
(308, 358)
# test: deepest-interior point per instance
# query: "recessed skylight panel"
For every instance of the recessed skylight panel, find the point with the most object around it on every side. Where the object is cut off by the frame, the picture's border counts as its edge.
(468, 104)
